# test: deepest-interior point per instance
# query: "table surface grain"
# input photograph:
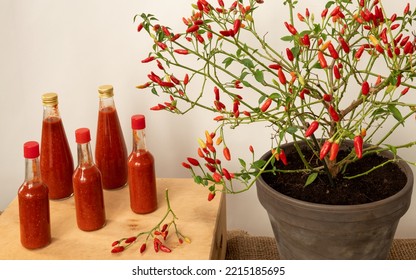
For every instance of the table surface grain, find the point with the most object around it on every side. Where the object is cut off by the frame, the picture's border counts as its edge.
(197, 219)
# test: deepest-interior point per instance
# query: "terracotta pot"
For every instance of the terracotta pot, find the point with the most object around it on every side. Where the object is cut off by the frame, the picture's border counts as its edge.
(305, 230)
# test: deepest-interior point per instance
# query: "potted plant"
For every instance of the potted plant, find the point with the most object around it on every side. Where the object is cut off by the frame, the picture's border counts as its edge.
(331, 99)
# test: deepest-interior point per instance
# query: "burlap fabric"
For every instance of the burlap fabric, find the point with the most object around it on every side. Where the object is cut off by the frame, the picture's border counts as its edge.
(243, 246)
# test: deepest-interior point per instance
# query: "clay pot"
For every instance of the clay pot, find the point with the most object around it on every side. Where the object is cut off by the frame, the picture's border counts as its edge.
(305, 230)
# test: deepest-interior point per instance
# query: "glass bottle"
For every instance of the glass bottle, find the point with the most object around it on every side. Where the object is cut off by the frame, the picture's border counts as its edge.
(141, 167)
(88, 191)
(110, 148)
(56, 162)
(34, 213)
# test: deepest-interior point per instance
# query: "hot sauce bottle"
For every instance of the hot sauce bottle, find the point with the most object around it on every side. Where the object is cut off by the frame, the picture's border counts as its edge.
(141, 167)
(56, 162)
(110, 149)
(88, 191)
(34, 216)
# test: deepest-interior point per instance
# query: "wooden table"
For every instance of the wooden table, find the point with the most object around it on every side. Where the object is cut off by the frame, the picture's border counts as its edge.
(204, 222)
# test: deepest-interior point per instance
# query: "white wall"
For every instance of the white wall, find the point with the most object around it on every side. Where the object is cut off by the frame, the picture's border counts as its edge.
(72, 47)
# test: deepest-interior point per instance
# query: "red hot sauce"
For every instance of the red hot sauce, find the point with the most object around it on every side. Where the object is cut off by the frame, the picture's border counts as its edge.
(110, 148)
(34, 216)
(141, 167)
(56, 162)
(88, 192)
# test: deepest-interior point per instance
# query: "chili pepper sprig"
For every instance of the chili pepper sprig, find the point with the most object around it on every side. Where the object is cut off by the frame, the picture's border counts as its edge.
(344, 69)
(156, 235)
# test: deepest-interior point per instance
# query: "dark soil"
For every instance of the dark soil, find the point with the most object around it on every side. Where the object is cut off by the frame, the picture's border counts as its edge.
(375, 186)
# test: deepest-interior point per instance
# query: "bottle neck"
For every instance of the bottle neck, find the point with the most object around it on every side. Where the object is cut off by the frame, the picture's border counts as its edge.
(139, 140)
(84, 155)
(107, 102)
(51, 112)
(32, 169)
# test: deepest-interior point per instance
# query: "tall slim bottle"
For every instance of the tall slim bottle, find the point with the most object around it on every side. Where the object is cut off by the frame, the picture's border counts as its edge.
(56, 162)
(88, 191)
(34, 216)
(110, 148)
(141, 166)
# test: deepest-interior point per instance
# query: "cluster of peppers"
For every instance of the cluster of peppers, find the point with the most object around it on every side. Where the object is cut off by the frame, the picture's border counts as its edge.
(156, 234)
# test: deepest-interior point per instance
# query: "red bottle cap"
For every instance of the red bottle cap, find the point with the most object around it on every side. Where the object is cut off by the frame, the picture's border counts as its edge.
(138, 122)
(82, 135)
(31, 149)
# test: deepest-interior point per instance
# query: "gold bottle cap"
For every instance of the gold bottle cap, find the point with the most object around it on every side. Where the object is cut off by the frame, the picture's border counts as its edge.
(105, 91)
(50, 99)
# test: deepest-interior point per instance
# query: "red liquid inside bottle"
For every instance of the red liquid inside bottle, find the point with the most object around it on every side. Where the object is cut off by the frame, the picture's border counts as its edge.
(110, 149)
(56, 160)
(88, 191)
(141, 171)
(33, 198)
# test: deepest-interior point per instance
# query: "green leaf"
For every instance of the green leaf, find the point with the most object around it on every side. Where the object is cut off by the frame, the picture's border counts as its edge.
(258, 74)
(259, 164)
(396, 113)
(288, 38)
(247, 63)
(228, 61)
(198, 179)
(242, 163)
(329, 4)
(311, 179)
(291, 130)
(154, 91)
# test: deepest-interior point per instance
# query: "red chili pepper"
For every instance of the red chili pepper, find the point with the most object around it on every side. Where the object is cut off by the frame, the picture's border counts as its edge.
(266, 105)
(365, 88)
(281, 75)
(408, 48)
(140, 27)
(333, 113)
(306, 40)
(358, 146)
(282, 156)
(289, 54)
(344, 44)
(193, 161)
(333, 51)
(326, 147)
(337, 74)
(312, 128)
(291, 28)
(165, 249)
(181, 51)
(322, 60)
(399, 80)
(361, 3)
(237, 25)
(115, 243)
(324, 13)
(186, 79)
(334, 151)
(217, 177)
(186, 165)
(227, 174)
(130, 239)
(156, 244)
(406, 9)
(405, 90)
(148, 59)
(192, 29)
(327, 97)
(211, 196)
(359, 52)
(158, 107)
(335, 11)
(117, 249)
(275, 66)
(300, 17)
(221, 3)
(143, 248)
(226, 153)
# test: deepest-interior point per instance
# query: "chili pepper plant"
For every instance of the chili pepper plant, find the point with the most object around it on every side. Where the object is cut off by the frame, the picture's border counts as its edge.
(346, 70)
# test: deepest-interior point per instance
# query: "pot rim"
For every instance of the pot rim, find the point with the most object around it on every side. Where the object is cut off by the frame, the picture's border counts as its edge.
(342, 208)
